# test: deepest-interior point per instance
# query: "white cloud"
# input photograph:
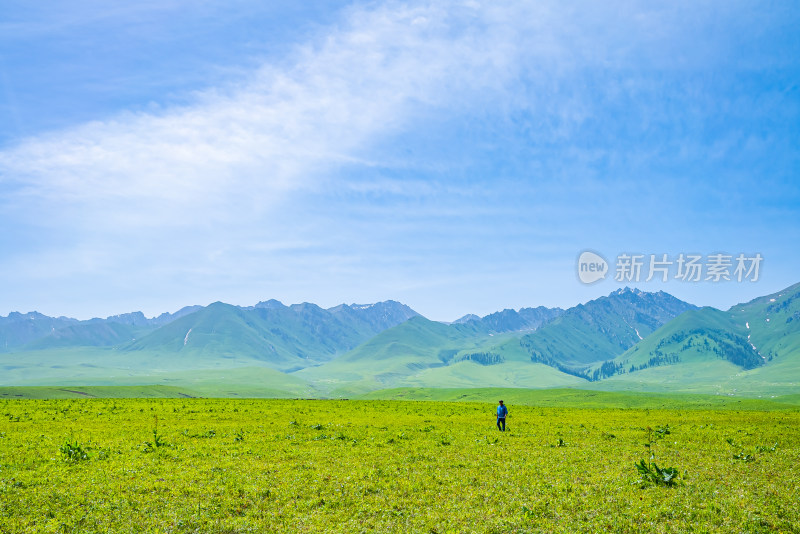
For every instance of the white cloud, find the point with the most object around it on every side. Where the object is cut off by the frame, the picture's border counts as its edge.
(250, 142)
(210, 189)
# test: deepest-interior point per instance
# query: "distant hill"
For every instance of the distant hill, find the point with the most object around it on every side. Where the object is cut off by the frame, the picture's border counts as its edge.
(629, 340)
(772, 323)
(287, 336)
(406, 354)
(283, 337)
(602, 328)
(89, 334)
(761, 338)
(511, 320)
(18, 329)
(697, 335)
(35, 331)
(519, 321)
(373, 318)
(166, 318)
(467, 318)
(483, 349)
(419, 341)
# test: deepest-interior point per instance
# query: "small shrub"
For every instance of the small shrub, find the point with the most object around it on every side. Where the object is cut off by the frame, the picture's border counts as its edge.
(651, 473)
(764, 448)
(648, 470)
(740, 454)
(661, 431)
(73, 452)
(158, 439)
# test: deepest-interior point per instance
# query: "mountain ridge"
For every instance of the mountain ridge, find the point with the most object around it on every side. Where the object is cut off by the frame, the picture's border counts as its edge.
(627, 339)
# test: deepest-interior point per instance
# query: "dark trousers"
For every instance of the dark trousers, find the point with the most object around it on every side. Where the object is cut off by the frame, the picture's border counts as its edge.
(501, 421)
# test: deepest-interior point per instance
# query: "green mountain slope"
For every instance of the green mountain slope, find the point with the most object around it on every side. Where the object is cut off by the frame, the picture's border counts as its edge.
(216, 341)
(226, 331)
(526, 319)
(89, 334)
(18, 329)
(429, 353)
(490, 351)
(370, 319)
(601, 329)
(34, 331)
(391, 355)
(753, 349)
(284, 337)
(418, 343)
(772, 323)
(706, 334)
(465, 374)
(630, 340)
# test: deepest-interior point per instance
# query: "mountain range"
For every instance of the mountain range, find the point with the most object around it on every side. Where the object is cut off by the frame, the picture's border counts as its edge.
(628, 340)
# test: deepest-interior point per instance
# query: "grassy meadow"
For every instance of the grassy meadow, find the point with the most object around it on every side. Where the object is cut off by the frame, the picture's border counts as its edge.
(230, 466)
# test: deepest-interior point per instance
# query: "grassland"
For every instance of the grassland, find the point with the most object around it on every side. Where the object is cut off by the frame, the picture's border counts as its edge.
(230, 466)
(580, 398)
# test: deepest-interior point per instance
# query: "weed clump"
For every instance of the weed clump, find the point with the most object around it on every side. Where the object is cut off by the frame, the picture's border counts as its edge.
(649, 471)
(73, 452)
(158, 440)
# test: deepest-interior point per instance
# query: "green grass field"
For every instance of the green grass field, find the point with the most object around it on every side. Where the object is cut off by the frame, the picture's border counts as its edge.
(229, 466)
(579, 398)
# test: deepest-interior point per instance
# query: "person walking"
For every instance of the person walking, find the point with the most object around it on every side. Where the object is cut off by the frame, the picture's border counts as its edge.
(502, 412)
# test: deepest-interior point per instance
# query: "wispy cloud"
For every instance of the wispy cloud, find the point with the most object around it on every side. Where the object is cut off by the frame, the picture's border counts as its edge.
(280, 127)
(251, 141)
(269, 166)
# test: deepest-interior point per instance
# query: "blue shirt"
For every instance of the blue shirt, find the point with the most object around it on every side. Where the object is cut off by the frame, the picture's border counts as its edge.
(502, 411)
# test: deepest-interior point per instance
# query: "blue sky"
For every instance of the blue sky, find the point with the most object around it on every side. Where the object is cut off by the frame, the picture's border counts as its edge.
(455, 156)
